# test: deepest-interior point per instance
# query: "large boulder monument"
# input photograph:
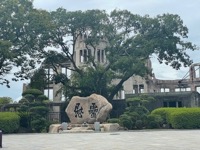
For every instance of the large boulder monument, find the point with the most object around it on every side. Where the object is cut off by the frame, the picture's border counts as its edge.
(94, 108)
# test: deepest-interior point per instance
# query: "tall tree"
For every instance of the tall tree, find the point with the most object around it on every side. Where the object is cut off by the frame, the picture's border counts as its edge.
(21, 27)
(5, 100)
(129, 41)
(39, 80)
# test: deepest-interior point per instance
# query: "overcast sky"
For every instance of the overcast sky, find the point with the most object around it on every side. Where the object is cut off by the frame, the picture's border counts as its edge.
(187, 10)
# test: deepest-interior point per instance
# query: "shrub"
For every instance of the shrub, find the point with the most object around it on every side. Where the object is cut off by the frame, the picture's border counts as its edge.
(29, 97)
(23, 108)
(189, 119)
(113, 120)
(134, 115)
(139, 124)
(38, 116)
(154, 121)
(9, 122)
(39, 110)
(42, 98)
(5, 100)
(34, 92)
(153, 125)
(39, 124)
(24, 119)
(126, 121)
(180, 118)
(164, 113)
(23, 101)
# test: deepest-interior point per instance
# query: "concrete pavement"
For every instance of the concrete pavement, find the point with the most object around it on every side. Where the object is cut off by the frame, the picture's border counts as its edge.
(127, 140)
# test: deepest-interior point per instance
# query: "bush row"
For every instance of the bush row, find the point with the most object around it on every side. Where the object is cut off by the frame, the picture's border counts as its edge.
(133, 121)
(9, 122)
(179, 118)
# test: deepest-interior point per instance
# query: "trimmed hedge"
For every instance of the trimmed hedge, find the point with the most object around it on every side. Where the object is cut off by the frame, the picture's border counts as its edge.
(180, 118)
(9, 122)
(164, 113)
(189, 119)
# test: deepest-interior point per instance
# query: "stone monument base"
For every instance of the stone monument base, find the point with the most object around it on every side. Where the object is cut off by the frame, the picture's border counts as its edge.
(54, 128)
(84, 128)
(78, 130)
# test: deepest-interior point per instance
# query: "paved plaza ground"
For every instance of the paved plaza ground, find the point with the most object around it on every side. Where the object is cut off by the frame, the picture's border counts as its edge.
(129, 140)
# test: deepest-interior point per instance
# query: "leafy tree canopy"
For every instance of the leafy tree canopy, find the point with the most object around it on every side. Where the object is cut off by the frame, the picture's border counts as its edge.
(21, 27)
(128, 41)
(39, 80)
(5, 100)
(33, 95)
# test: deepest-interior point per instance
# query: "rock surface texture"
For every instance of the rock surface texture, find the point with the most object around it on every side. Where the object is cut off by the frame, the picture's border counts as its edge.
(88, 109)
(54, 128)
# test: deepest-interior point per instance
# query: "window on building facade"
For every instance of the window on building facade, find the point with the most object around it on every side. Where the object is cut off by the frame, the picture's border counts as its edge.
(49, 74)
(172, 104)
(198, 89)
(81, 56)
(102, 56)
(49, 93)
(164, 90)
(138, 88)
(188, 89)
(98, 55)
(89, 52)
(85, 56)
(197, 71)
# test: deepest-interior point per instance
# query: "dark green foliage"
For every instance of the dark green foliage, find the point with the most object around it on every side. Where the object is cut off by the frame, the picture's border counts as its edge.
(64, 116)
(134, 117)
(39, 118)
(39, 124)
(25, 120)
(29, 97)
(25, 117)
(33, 95)
(139, 124)
(33, 117)
(180, 118)
(39, 110)
(153, 125)
(23, 108)
(9, 122)
(154, 121)
(164, 113)
(189, 119)
(34, 92)
(20, 33)
(126, 121)
(136, 113)
(39, 80)
(23, 101)
(141, 100)
(129, 41)
(33, 111)
(5, 100)
(42, 98)
(113, 120)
